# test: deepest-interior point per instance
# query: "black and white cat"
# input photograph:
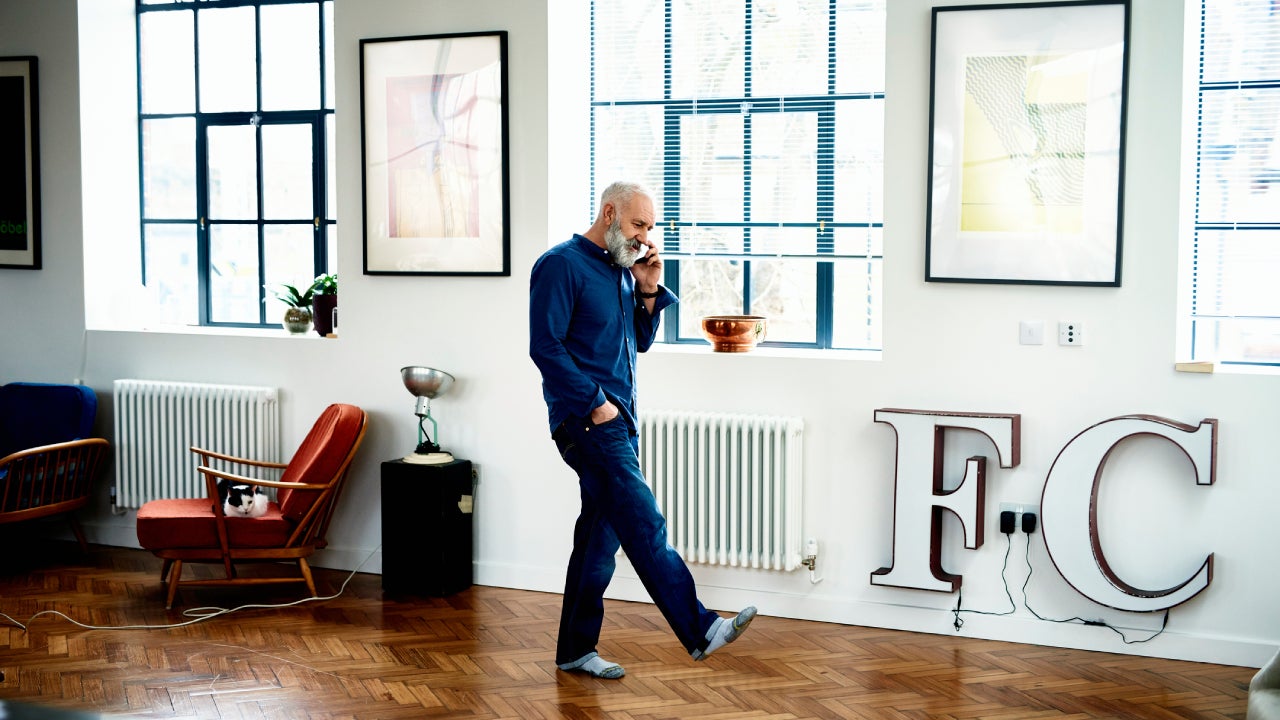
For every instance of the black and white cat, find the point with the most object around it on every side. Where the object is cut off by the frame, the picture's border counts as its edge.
(242, 499)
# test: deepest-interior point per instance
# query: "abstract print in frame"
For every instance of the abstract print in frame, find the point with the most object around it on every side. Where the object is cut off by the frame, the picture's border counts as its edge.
(434, 150)
(19, 164)
(1026, 143)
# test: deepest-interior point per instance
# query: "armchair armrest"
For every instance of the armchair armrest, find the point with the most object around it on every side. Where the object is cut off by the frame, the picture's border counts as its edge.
(246, 480)
(50, 479)
(206, 455)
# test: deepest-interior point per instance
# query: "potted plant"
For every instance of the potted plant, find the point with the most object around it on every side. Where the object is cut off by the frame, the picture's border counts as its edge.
(324, 290)
(297, 315)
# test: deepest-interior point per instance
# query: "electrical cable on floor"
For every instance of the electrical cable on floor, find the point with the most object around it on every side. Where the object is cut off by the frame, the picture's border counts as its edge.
(199, 614)
(1077, 619)
(959, 623)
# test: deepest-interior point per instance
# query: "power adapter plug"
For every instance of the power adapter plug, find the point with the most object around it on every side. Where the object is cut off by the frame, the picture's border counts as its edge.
(1028, 522)
(1006, 521)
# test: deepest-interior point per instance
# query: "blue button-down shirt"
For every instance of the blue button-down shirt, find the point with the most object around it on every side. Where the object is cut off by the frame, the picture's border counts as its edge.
(586, 325)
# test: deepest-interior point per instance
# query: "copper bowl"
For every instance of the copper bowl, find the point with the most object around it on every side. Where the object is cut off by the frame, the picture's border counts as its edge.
(733, 333)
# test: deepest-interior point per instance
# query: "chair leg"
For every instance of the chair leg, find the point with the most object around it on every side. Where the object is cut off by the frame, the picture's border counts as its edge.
(79, 533)
(174, 576)
(164, 570)
(306, 575)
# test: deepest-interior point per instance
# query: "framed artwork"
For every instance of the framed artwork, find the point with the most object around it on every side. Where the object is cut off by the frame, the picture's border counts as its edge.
(19, 164)
(433, 128)
(1026, 143)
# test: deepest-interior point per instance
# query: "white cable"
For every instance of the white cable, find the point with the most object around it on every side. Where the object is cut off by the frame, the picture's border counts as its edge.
(199, 614)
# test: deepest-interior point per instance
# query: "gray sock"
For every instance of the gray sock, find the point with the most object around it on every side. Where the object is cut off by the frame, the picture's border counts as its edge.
(723, 632)
(595, 666)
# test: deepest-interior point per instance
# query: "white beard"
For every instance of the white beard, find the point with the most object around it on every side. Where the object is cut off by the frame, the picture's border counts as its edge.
(620, 246)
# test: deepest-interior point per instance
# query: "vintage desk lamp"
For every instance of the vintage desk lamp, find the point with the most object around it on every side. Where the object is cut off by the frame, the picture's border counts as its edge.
(425, 384)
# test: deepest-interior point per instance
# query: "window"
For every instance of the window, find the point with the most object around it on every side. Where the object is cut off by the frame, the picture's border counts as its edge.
(235, 136)
(1234, 304)
(758, 125)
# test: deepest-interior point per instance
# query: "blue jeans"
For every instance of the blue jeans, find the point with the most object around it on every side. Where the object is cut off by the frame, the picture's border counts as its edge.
(618, 508)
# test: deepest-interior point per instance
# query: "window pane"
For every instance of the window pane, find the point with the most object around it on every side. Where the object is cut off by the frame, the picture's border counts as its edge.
(287, 179)
(233, 172)
(228, 60)
(233, 274)
(331, 248)
(1248, 340)
(628, 50)
(859, 156)
(331, 153)
(1240, 156)
(856, 323)
(1241, 40)
(708, 287)
(290, 259)
(789, 51)
(629, 147)
(169, 168)
(166, 58)
(329, 64)
(290, 57)
(1246, 264)
(786, 292)
(784, 167)
(170, 257)
(711, 183)
(706, 48)
(858, 241)
(860, 50)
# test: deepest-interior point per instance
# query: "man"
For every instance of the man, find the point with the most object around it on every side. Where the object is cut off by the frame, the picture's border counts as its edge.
(594, 302)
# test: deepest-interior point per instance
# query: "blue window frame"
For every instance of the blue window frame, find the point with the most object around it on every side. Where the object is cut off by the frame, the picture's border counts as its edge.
(235, 109)
(1234, 316)
(758, 127)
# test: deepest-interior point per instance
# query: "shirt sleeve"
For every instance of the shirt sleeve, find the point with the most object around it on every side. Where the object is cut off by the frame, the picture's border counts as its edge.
(552, 293)
(647, 323)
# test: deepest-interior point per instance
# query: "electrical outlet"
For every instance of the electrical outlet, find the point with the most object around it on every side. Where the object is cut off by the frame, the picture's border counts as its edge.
(1070, 333)
(1031, 332)
(1018, 509)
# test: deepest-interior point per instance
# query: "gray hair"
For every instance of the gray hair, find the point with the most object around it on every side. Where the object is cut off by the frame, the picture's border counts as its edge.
(621, 192)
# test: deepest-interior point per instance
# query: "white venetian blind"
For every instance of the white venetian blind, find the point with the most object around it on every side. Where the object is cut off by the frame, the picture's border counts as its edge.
(1235, 287)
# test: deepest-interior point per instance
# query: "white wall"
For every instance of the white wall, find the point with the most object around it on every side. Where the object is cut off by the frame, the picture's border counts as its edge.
(948, 347)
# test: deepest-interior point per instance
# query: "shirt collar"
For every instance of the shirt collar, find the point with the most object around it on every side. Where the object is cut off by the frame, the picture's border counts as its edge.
(593, 249)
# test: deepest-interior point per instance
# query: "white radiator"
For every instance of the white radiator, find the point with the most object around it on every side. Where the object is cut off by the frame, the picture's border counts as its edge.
(729, 485)
(158, 422)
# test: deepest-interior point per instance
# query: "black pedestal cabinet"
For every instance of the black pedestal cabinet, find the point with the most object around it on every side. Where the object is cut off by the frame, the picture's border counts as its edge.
(426, 527)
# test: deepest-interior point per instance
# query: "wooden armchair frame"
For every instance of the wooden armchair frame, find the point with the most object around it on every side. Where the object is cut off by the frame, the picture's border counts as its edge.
(51, 480)
(307, 534)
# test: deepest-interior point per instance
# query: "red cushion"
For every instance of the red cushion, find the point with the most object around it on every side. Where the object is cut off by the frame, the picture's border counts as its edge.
(189, 524)
(320, 456)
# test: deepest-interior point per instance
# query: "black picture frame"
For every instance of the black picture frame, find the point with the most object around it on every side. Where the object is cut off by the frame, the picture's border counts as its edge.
(434, 151)
(19, 163)
(1027, 142)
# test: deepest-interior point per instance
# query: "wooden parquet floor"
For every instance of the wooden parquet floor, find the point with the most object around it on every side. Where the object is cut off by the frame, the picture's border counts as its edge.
(487, 653)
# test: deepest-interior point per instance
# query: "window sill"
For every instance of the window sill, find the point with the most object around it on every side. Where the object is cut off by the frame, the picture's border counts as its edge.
(216, 331)
(1211, 368)
(769, 352)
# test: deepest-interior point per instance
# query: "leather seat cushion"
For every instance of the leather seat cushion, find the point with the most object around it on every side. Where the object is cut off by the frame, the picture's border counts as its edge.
(189, 523)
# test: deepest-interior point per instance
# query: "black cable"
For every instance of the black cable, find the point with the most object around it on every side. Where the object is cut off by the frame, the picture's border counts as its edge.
(959, 623)
(1077, 618)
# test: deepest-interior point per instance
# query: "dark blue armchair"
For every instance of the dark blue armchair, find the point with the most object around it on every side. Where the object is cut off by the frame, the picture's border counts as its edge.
(48, 460)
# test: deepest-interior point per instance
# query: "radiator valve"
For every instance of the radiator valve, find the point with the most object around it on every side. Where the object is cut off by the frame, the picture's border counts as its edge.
(811, 559)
